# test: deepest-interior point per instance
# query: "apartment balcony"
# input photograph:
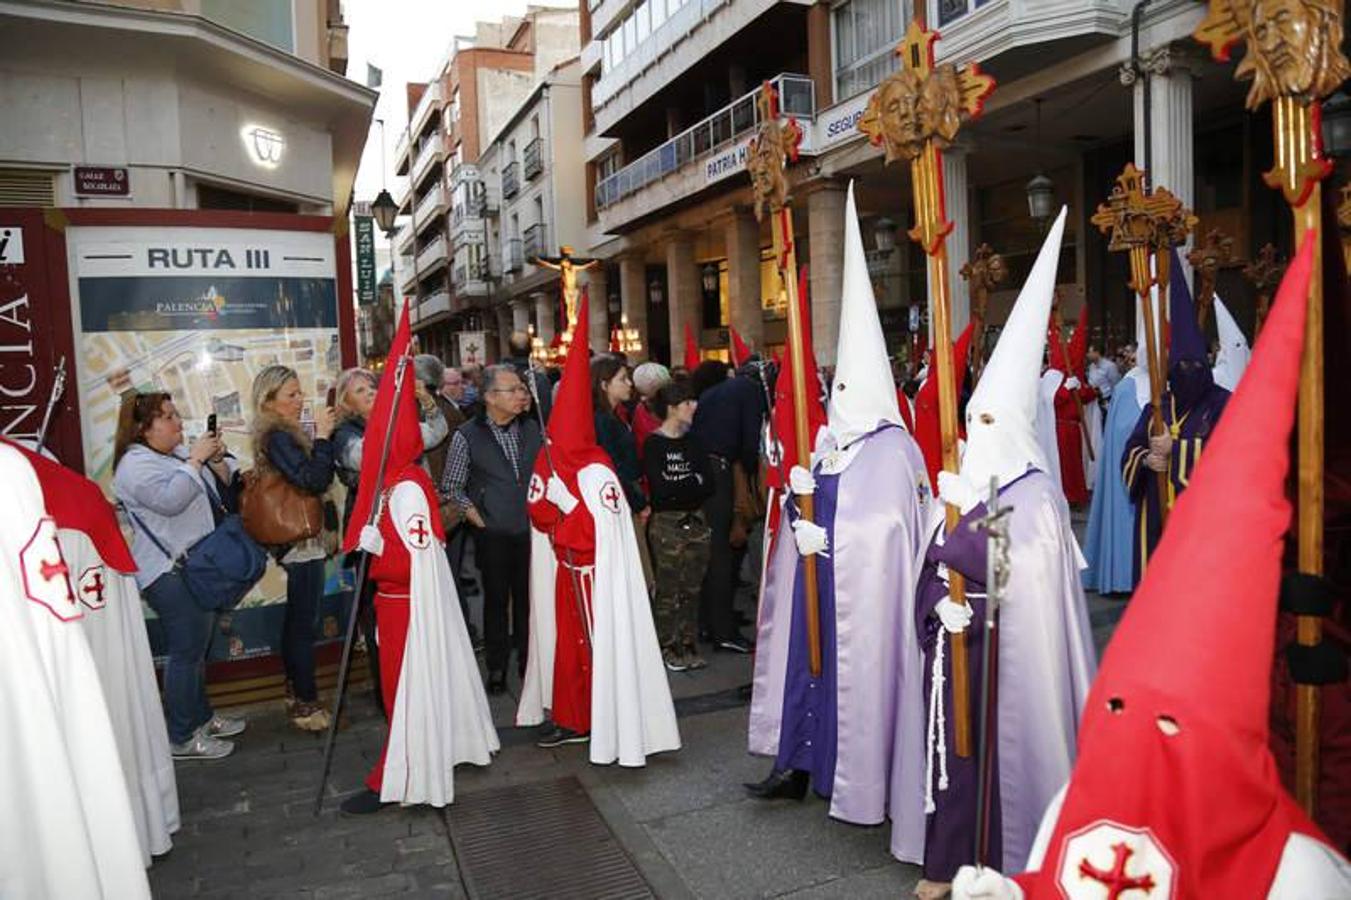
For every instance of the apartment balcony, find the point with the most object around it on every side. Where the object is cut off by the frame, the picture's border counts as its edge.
(407, 278)
(429, 104)
(531, 162)
(534, 241)
(471, 280)
(702, 154)
(436, 304)
(513, 259)
(433, 256)
(468, 231)
(687, 36)
(433, 152)
(511, 183)
(985, 29)
(404, 238)
(434, 203)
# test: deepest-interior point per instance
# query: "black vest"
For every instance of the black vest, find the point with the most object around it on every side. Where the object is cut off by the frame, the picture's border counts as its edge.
(496, 491)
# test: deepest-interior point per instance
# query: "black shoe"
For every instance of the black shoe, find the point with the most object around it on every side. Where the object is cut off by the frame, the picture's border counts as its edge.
(735, 644)
(363, 804)
(560, 736)
(786, 785)
(497, 682)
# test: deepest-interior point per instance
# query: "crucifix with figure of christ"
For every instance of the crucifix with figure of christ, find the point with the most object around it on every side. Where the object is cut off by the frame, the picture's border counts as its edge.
(914, 114)
(567, 266)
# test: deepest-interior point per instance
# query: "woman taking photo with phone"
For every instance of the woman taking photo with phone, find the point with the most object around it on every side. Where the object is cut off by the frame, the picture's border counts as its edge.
(281, 445)
(169, 492)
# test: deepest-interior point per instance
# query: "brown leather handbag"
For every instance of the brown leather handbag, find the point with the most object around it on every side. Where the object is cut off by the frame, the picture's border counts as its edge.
(275, 512)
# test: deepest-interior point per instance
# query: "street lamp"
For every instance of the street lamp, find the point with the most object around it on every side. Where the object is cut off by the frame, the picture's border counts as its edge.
(710, 278)
(1040, 190)
(385, 211)
(885, 235)
(1337, 124)
(654, 291)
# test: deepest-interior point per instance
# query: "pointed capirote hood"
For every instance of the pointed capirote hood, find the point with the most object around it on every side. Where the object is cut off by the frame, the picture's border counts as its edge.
(1078, 347)
(572, 421)
(1234, 354)
(692, 358)
(405, 437)
(1173, 748)
(1185, 341)
(863, 395)
(738, 349)
(1001, 416)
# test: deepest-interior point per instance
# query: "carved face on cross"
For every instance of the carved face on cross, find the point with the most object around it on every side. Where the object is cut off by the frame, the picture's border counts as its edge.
(775, 145)
(1294, 46)
(920, 101)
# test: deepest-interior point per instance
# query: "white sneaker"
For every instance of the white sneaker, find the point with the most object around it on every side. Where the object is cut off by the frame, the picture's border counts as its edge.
(202, 746)
(224, 726)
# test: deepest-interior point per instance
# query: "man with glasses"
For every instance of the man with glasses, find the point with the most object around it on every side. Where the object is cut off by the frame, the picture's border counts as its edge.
(487, 475)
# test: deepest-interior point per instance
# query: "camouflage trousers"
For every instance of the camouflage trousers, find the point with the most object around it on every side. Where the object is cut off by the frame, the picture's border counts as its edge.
(680, 542)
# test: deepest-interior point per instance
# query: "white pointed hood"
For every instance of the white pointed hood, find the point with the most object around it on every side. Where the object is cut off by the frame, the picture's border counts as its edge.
(1001, 416)
(864, 394)
(1234, 352)
(1139, 373)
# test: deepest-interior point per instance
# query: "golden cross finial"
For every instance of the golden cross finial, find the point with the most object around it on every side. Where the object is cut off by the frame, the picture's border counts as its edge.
(1206, 259)
(1264, 272)
(1140, 219)
(774, 146)
(922, 101)
(983, 271)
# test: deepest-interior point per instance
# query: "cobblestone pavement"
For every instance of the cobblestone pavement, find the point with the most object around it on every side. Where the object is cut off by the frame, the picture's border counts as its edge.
(684, 820)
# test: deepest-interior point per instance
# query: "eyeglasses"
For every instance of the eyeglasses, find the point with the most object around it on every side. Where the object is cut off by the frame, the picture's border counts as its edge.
(518, 389)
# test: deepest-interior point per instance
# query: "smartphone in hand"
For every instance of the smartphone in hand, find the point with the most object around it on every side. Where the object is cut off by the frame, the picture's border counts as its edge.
(211, 424)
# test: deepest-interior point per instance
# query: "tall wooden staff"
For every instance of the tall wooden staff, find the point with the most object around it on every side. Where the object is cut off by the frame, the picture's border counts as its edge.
(983, 272)
(914, 113)
(1140, 221)
(773, 147)
(1294, 58)
(1264, 274)
(1206, 259)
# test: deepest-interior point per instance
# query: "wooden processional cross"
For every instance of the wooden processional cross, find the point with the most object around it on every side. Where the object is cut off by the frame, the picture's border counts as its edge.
(983, 272)
(1294, 58)
(1143, 222)
(915, 113)
(1206, 259)
(775, 145)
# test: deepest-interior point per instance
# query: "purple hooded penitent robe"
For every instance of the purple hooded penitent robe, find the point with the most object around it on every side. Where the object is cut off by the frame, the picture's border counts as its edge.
(843, 725)
(1044, 661)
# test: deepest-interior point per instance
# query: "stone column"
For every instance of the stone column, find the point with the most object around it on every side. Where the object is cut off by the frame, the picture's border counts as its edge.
(955, 191)
(1172, 135)
(598, 291)
(743, 277)
(686, 298)
(520, 315)
(633, 300)
(825, 230)
(544, 317)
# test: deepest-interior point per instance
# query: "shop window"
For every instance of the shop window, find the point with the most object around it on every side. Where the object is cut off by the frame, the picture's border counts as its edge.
(212, 197)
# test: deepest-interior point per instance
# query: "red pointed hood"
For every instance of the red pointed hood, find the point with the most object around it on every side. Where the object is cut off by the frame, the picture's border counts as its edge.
(928, 431)
(1173, 745)
(405, 439)
(78, 504)
(740, 352)
(783, 412)
(691, 350)
(572, 420)
(1056, 348)
(1078, 351)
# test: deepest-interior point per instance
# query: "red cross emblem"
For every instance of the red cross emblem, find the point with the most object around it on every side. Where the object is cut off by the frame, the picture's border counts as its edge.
(419, 535)
(46, 579)
(536, 489)
(610, 496)
(91, 587)
(1107, 861)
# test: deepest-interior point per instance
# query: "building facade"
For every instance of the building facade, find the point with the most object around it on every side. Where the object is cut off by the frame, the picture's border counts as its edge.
(670, 90)
(445, 265)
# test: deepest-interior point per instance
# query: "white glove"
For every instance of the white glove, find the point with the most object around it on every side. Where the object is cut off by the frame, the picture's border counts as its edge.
(957, 491)
(983, 884)
(810, 537)
(801, 481)
(954, 616)
(558, 494)
(1071, 383)
(371, 540)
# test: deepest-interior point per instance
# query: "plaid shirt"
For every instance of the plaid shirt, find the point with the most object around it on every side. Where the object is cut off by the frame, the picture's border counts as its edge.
(457, 462)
